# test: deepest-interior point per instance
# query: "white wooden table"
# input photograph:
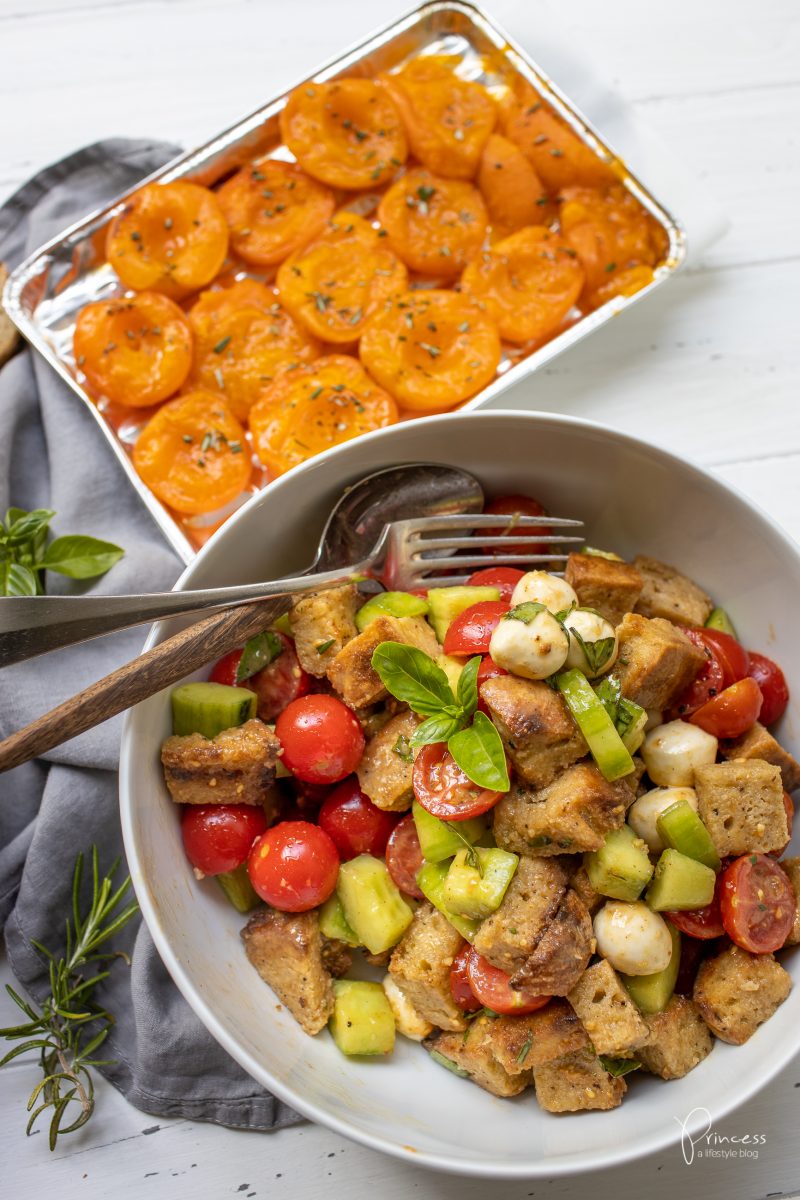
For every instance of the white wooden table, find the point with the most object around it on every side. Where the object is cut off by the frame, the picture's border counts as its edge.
(708, 367)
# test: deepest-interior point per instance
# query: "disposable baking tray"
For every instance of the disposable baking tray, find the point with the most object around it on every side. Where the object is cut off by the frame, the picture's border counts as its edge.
(45, 293)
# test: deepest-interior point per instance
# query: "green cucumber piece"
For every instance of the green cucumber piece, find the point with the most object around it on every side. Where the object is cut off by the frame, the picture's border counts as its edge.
(631, 720)
(437, 840)
(476, 891)
(373, 906)
(591, 717)
(238, 889)
(680, 883)
(720, 620)
(452, 668)
(390, 604)
(208, 708)
(333, 922)
(681, 829)
(652, 993)
(362, 1021)
(283, 624)
(448, 603)
(621, 868)
(430, 880)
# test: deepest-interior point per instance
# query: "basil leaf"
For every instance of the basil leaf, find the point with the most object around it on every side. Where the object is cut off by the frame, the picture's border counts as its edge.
(412, 676)
(467, 690)
(402, 748)
(436, 729)
(258, 653)
(608, 693)
(525, 612)
(27, 525)
(18, 581)
(619, 1066)
(80, 557)
(598, 653)
(479, 752)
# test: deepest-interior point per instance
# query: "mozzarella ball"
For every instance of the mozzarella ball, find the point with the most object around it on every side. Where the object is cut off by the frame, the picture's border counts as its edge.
(644, 812)
(634, 939)
(533, 649)
(654, 718)
(409, 1022)
(673, 751)
(543, 588)
(591, 628)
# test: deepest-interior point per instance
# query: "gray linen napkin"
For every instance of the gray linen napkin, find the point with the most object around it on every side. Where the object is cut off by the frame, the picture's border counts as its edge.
(52, 455)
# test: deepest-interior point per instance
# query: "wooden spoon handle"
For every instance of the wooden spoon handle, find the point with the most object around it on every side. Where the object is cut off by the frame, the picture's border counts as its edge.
(165, 664)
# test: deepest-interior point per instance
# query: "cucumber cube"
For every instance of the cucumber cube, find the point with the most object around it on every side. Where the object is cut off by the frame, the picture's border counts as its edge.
(621, 867)
(238, 889)
(333, 923)
(681, 829)
(436, 838)
(473, 891)
(392, 604)
(209, 708)
(373, 906)
(448, 603)
(680, 883)
(430, 879)
(652, 993)
(362, 1021)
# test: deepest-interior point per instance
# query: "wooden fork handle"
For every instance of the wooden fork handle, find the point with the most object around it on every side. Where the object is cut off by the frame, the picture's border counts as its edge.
(165, 664)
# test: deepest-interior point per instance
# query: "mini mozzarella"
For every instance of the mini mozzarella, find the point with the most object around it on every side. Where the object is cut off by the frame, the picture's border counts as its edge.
(543, 588)
(644, 812)
(672, 753)
(654, 719)
(408, 1021)
(634, 939)
(592, 628)
(533, 649)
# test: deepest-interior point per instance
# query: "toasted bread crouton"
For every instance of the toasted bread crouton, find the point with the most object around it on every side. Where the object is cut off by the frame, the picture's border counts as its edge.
(408, 1020)
(562, 952)
(581, 885)
(668, 594)
(351, 671)
(678, 1040)
(758, 742)
(792, 868)
(604, 584)
(609, 1016)
(322, 623)
(656, 661)
(741, 805)
(337, 957)
(420, 966)
(576, 1083)
(473, 1053)
(736, 992)
(521, 1043)
(235, 767)
(510, 935)
(387, 764)
(572, 814)
(287, 951)
(535, 724)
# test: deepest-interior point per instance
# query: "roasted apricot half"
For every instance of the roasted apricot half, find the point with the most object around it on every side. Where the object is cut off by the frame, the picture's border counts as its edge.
(610, 232)
(514, 194)
(434, 225)
(558, 155)
(273, 209)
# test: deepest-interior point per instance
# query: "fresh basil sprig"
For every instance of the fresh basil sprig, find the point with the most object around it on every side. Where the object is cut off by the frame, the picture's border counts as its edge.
(598, 653)
(25, 553)
(412, 676)
(619, 1066)
(258, 653)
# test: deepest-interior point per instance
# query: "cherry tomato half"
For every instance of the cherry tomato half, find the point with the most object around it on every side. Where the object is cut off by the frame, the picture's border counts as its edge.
(493, 988)
(774, 689)
(471, 631)
(355, 825)
(732, 712)
(503, 578)
(460, 989)
(275, 685)
(788, 804)
(444, 790)
(703, 923)
(218, 837)
(404, 857)
(758, 903)
(709, 682)
(732, 656)
(514, 506)
(294, 866)
(322, 740)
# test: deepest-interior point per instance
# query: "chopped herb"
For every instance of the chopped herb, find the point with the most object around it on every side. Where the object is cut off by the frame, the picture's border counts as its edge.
(360, 135)
(376, 174)
(382, 233)
(434, 351)
(235, 447)
(464, 327)
(533, 108)
(168, 223)
(187, 437)
(320, 299)
(526, 1046)
(445, 251)
(541, 139)
(356, 317)
(612, 266)
(220, 346)
(136, 236)
(402, 748)
(324, 646)
(220, 378)
(557, 153)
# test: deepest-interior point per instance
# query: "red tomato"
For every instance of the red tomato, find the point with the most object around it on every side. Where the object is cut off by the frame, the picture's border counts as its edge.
(493, 988)
(703, 923)
(788, 804)
(732, 712)
(322, 740)
(774, 689)
(294, 866)
(275, 686)
(707, 684)
(758, 903)
(355, 825)
(731, 654)
(504, 578)
(471, 631)
(218, 837)
(693, 951)
(460, 989)
(487, 670)
(225, 670)
(404, 857)
(511, 506)
(444, 790)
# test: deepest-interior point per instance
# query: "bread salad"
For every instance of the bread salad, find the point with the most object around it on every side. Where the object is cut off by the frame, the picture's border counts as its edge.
(422, 229)
(547, 810)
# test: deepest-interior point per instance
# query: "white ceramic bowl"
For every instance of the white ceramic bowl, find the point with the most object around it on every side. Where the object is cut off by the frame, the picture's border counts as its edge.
(633, 497)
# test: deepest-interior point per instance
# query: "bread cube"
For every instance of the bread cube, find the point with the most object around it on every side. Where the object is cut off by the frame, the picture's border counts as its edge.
(521, 1043)
(562, 952)
(582, 886)
(792, 868)
(572, 814)
(656, 661)
(609, 587)
(473, 1053)
(235, 767)
(386, 767)
(741, 805)
(420, 966)
(535, 724)
(669, 594)
(758, 742)
(510, 935)
(351, 671)
(322, 623)
(736, 992)
(609, 1016)
(678, 1040)
(287, 951)
(577, 1083)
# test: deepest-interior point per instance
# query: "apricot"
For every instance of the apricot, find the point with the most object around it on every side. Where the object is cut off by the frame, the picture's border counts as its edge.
(273, 209)
(434, 225)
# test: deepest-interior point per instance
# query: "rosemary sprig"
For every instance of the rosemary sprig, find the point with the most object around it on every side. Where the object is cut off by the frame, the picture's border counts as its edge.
(69, 1027)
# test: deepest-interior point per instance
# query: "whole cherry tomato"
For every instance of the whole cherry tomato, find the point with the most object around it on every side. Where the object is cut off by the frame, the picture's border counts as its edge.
(293, 866)
(732, 712)
(275, 685)
(731, 655)
(505, 579)
(471, 631)
(444, 790)
(355, 825)
(218, 837)
(322, 740)
(493, 988)
(514, 506)
(774, 689)
(758, 903)
(709, 682)
(460, 988)
(404, 857)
